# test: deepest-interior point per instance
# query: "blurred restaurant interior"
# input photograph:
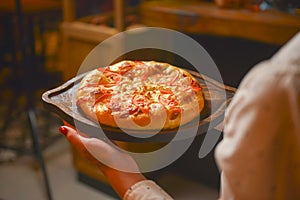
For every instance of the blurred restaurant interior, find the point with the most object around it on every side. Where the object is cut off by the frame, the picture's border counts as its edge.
(43, 44)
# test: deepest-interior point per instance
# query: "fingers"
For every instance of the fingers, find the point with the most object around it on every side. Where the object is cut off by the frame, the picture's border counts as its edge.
(92, 146)
(78, 139)
(99, 152)
(70, 133)
(73, 137)
(95, 150)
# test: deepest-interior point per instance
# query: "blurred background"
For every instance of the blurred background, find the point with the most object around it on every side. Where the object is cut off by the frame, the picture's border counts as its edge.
(44, 42)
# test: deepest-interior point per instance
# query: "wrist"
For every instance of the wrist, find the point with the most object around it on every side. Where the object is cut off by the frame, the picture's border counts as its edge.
(122, 181)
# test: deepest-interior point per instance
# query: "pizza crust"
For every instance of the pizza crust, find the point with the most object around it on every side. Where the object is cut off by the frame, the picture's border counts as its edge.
(118, 108)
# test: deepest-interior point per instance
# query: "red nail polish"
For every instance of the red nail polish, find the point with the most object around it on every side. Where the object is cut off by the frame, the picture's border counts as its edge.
(63, 130)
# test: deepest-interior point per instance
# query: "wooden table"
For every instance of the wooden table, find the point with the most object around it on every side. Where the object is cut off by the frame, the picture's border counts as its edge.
(270, 26)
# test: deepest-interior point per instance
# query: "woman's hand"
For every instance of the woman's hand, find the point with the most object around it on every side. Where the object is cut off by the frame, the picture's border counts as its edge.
(99, 152)
(114, 164)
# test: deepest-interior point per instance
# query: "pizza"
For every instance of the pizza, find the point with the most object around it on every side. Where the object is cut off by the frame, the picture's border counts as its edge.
(140, 95)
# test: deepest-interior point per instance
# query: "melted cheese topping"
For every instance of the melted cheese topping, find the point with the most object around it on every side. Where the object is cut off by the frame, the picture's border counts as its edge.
(148, 79)
(143, 89)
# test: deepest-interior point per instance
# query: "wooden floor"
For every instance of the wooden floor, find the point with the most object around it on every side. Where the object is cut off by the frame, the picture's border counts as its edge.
(21, 180)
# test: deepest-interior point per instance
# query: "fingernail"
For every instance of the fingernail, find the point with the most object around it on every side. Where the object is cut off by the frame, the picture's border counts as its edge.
(63, 130)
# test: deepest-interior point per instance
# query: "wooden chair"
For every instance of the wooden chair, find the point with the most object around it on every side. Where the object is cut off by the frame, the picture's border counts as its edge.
(79, 36)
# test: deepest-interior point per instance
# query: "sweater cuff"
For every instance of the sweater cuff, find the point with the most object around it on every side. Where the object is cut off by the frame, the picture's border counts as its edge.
(146, 189)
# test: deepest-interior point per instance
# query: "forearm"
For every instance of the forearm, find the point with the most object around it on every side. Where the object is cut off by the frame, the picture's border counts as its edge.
(134, 186)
